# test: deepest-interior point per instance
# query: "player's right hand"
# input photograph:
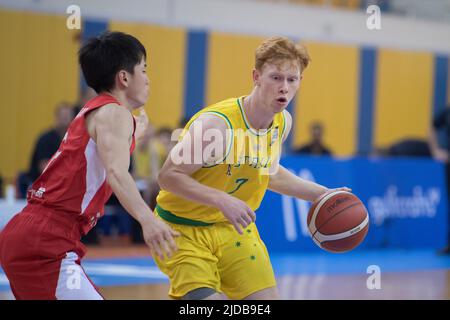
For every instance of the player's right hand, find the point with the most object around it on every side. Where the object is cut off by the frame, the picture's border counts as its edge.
(159, 237)
(237, 212)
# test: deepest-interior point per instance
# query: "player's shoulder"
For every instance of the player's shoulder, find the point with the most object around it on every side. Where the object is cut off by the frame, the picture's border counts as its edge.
(287, 123)
(220, 114)
(112, 109)
(286, 118)
(212, 120)
(287, 115)
(111, 115)
(224, 106)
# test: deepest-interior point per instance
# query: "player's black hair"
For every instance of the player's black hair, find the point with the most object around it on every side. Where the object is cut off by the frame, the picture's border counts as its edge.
(102, 57)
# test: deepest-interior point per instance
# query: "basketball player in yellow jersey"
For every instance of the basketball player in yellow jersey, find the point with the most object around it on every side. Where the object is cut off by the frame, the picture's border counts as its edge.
(210, 194)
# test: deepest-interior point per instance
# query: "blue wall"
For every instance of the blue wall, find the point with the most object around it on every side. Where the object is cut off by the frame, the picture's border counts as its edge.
(406, 200)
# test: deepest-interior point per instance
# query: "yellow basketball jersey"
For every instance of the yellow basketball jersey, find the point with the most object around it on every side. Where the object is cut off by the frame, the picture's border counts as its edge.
(242, 173)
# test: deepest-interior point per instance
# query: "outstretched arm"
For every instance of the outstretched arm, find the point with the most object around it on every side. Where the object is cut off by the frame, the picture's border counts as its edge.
(111, 127)
(285, 182)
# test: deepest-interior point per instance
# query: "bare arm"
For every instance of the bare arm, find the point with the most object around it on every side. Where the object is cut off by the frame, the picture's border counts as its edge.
(111, 127)
(176, 177)
(285, 182)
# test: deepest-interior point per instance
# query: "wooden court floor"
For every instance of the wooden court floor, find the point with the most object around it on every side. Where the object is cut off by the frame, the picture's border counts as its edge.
(422, 285)
(430, 284)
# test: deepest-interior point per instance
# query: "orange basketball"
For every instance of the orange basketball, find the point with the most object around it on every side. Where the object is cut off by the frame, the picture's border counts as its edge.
(338, 221)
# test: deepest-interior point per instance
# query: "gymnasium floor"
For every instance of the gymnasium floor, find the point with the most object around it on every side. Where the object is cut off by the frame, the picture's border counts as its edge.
(129, 273)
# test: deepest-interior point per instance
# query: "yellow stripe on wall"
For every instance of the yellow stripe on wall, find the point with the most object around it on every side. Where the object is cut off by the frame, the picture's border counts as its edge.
(403, 96)
(165, 64)
(231, 59)
(39, 66)
(329, 94)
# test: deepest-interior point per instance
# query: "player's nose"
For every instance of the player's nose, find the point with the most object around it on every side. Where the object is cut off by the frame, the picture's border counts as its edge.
(284, 87)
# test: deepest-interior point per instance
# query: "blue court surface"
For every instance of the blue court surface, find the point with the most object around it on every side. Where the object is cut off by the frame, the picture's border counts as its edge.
(142, 270)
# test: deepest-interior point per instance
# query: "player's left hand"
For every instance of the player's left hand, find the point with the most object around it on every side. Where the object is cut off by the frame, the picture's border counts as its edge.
(141, 123)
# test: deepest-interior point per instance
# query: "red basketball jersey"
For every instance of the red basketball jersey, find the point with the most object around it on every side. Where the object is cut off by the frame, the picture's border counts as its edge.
(74, 181)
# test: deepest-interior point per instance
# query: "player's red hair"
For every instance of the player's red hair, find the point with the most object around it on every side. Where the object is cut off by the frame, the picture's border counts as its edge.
(280, 49)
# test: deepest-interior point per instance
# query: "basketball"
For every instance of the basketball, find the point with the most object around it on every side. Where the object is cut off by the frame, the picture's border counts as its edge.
(338, 221)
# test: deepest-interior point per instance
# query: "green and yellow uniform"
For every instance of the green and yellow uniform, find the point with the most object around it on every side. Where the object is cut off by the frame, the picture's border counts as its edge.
(210, 251)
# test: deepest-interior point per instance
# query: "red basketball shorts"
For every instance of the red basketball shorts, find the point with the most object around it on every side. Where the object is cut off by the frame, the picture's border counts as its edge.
(40, 253)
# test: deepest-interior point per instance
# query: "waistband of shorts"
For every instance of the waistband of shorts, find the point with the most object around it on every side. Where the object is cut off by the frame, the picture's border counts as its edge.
(170, 217)
(66, 220)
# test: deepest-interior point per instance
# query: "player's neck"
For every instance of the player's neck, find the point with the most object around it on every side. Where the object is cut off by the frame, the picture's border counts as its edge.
(257, 113)
(121, 98)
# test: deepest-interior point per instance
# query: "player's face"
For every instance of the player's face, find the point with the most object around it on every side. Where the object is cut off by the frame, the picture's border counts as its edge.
(139, 85)
(278, 84)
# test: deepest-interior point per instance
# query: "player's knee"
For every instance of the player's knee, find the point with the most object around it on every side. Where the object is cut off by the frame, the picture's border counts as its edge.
(265, 294)
(199, 294)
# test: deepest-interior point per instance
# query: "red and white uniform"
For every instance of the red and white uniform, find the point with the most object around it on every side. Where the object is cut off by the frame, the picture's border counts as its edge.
(40, 248)
(75, 179)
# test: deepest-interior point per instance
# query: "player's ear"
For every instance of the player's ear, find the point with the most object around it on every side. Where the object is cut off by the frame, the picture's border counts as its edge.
(256, 76)
(122, 77)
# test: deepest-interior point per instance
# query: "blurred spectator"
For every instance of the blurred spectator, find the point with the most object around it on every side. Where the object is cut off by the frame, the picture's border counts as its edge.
(442, 122)
(410, 148)
(46, 145)
(164, 135)
(315, 146)
(48, 142)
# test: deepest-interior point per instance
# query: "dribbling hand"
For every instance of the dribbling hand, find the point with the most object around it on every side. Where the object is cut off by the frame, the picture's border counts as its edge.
(332, 190)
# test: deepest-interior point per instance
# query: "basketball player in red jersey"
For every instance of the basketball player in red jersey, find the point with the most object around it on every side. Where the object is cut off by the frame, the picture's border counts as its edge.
(40, 248)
